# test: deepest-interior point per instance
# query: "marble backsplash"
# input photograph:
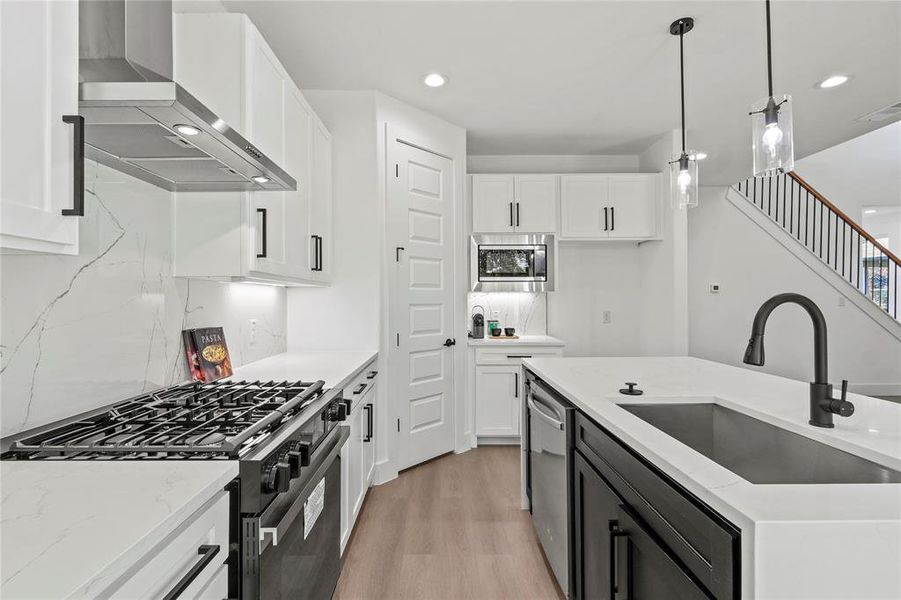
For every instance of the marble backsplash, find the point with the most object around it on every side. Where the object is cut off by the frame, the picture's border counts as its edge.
(527, 312)
(80, 332)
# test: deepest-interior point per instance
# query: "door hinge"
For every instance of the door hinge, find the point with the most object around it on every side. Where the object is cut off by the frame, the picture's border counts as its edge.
(398, 426)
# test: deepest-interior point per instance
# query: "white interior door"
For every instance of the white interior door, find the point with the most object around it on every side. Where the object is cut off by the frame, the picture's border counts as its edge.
(420, 214)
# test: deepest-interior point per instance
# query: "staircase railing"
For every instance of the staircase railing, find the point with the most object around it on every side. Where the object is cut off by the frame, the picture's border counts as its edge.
(830, 234)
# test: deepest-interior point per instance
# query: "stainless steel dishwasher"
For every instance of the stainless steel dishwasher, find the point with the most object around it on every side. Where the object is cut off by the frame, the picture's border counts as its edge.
(547, 473)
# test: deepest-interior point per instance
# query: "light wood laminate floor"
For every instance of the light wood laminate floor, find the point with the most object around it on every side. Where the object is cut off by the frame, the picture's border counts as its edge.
(448, 529)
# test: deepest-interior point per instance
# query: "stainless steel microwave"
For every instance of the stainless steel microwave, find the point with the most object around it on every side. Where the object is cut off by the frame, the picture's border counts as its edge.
(512, 263)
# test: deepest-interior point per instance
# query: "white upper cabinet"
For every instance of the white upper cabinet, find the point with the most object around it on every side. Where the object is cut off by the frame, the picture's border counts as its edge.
(536, 203)
(514, 203)
(39, 175)
(492, 203)
(254, 236)
(609, 206)
(321, 205)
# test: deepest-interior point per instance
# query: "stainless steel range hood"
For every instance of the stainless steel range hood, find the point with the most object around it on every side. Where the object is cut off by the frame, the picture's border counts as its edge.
(138, 120)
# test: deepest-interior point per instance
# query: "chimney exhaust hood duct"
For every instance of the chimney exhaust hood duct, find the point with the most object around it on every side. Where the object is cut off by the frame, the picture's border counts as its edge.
(141, 122)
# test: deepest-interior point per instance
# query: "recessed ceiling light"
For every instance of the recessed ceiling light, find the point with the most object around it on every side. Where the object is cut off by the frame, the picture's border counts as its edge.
(186, 129)
(261, 179)
(870, 211)
(833, 81)
(434, 80)
(698, 156)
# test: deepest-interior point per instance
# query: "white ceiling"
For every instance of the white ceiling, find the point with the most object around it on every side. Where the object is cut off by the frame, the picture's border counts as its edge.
(599, 77)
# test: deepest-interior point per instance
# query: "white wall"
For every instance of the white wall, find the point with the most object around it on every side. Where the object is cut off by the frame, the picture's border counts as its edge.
(663, 264)
(725, 247)
(346, 315)
(80, 332)
(532, 163)
(862, 174)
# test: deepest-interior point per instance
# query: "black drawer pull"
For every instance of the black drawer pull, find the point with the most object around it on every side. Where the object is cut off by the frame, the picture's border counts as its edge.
(372, 374)
(263, 227)
(207, 553)
(368, 409)
(519, 356)
(619, 586)
(77, 209)
(360, 389)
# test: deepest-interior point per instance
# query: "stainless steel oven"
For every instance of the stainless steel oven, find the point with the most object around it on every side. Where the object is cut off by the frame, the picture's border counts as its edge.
(512, 263)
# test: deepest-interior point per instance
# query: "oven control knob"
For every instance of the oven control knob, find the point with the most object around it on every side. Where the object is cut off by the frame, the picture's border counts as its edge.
(297, 455)
(277, 478)
(337, 412)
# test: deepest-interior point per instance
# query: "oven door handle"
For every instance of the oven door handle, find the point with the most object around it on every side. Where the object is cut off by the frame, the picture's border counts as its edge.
(270, 534)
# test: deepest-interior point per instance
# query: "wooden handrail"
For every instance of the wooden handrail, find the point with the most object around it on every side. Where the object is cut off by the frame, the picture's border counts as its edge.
(860, 230)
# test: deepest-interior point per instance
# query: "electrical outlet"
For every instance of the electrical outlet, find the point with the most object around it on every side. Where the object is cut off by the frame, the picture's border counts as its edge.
(607, 317)
(252, 331)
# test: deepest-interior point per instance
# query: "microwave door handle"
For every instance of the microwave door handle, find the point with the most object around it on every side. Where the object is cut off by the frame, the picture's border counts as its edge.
(278, 530)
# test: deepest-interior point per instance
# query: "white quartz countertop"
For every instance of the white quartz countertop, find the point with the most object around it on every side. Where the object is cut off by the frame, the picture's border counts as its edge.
(524, 340)
(873, 432)
(68, 529)
(335, 368)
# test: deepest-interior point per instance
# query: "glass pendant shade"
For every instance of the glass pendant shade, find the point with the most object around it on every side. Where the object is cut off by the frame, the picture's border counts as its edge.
(684, 180)
(771, 136)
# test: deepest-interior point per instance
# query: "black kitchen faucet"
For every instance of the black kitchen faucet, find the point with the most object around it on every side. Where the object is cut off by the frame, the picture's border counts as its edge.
(822, 404)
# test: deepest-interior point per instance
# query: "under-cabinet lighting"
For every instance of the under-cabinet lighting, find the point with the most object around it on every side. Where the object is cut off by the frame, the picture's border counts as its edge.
(186, 129)
(832, 81)
(434, 80)
(261, 179)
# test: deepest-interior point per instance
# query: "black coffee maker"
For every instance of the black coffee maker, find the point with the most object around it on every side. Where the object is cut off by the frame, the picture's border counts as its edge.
(478, 322)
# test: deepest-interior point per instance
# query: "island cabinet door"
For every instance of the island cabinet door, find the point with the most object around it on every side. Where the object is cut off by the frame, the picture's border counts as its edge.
(594, 512)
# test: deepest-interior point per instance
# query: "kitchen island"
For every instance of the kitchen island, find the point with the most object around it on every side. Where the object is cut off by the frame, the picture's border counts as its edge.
(796, 540)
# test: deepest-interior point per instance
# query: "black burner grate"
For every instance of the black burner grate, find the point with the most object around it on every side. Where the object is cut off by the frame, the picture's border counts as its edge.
(213, 419)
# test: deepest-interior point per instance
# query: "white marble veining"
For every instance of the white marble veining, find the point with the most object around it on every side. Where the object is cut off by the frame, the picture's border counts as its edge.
(69, 529)
(336, 369)
(787, 530)
(527, 312)
(79, 332)
(523, 340)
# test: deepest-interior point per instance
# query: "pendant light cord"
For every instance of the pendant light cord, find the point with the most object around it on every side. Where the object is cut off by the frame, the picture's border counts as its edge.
(769, 51)
(682, 80)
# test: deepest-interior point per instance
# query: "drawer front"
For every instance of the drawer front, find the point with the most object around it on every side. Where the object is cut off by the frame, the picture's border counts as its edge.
(170, 561)
(513, 355)
(706, 543)
(360, 386)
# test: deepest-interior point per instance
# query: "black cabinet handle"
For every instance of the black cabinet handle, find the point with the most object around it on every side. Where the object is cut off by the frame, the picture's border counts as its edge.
(372, 374)
(619, 588)
(264, 226)
(320, 252)
(519, 356)
(517, 214)
(317, 253)
(207, 553)
(368, 409)
(605, 219)
(516, 384)
(612, 218)
(359, 389)
(511, 214)
(77, 209)
(397, 252)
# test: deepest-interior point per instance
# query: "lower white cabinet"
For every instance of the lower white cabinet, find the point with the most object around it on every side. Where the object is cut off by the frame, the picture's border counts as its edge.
(201, 540)
(358, 454)
(497, 394)
(499, 387)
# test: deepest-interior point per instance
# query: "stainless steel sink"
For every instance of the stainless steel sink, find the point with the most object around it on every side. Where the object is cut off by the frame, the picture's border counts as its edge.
(758, 451)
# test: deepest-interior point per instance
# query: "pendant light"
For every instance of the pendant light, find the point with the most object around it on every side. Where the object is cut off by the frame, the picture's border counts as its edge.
(771, 124)
(684, 169)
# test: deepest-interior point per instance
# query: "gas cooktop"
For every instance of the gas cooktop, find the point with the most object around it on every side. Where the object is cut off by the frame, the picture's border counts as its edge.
(224, 419)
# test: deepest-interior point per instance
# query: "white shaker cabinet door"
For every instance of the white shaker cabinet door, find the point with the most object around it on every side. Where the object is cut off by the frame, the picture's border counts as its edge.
(38, 86)
(497, 401)
(536, 203)
(493, 209)
(633, 206)
(584, 206)
(265, 98)
(320, 239)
